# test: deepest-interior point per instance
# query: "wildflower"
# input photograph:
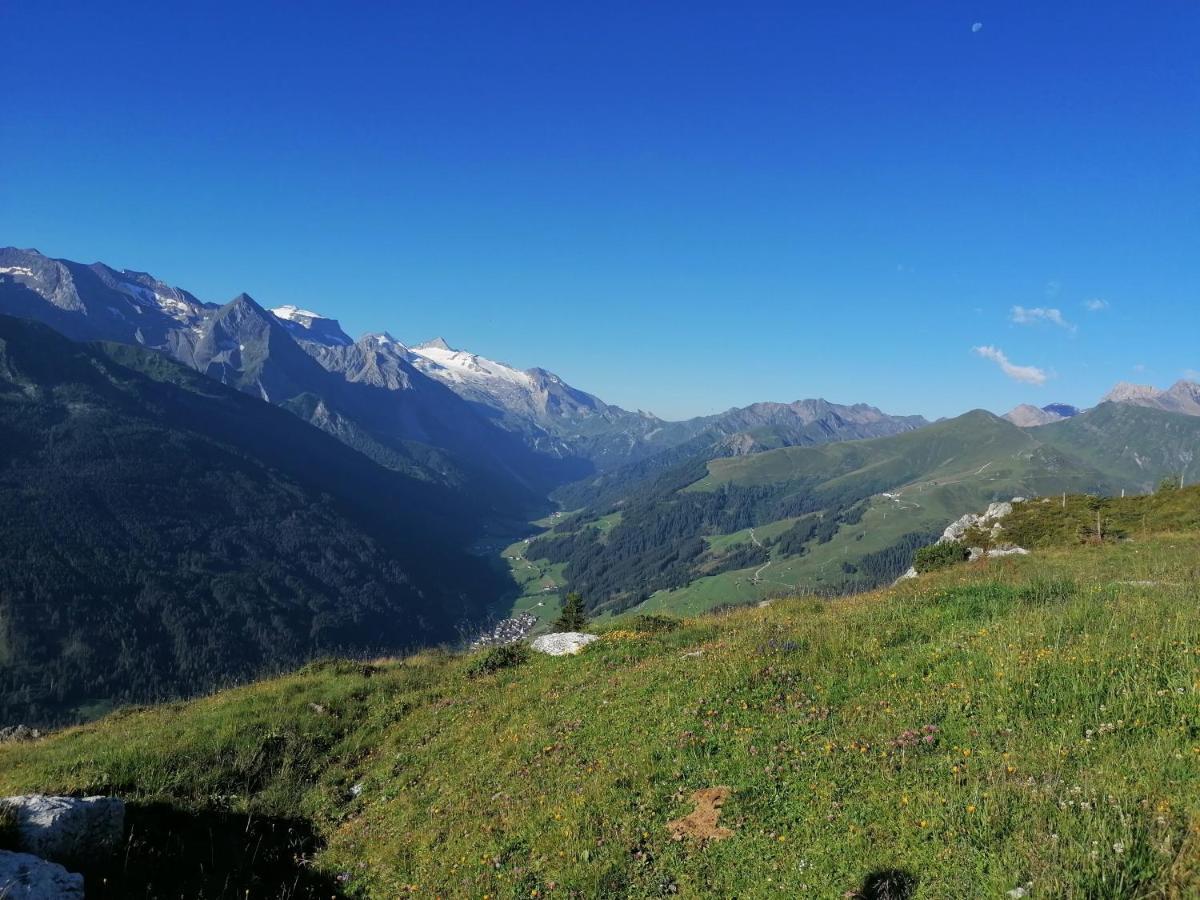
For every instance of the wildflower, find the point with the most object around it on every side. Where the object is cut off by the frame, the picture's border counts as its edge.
(1118, 848)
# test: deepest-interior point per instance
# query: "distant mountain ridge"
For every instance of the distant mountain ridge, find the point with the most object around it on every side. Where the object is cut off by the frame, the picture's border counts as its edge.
(445, 414)
(840, 516)
(1181, 397)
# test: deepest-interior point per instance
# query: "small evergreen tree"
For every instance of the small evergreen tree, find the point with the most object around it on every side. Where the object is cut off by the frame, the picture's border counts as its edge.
(573, 616)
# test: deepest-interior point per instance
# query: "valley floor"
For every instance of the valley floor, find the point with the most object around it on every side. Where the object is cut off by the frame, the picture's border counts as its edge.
(1022, 727)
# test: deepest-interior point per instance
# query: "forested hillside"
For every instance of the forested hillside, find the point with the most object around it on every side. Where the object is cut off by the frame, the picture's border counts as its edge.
(841, 517)
(163, 534)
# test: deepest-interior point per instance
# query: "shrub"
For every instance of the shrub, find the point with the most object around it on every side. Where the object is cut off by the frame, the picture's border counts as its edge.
(507, 657)
(940, 556)
(653, 624)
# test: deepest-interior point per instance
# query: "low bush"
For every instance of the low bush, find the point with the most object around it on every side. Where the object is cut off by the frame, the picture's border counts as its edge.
(940, 556)
(507, 657)
(649, 623)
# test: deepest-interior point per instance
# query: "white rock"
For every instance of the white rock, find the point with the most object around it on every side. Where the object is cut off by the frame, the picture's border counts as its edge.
(26, 877)
(911, 573)
(70, 830)
(562, 643)
(995, 511)
(977, 552)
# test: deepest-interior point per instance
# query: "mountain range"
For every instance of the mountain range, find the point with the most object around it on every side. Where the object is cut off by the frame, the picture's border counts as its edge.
(845, 516)
(1182, 397)
(193, 491)
(451, 416)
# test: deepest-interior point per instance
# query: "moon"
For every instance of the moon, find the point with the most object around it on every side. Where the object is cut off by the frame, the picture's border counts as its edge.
(978, 26)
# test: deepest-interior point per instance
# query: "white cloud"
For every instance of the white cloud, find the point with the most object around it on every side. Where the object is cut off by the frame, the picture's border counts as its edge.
(1031, 316)
(1095, 305)
(1026, 374)
(977, 27)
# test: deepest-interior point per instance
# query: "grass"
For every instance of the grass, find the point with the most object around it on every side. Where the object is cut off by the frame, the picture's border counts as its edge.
(1061, 690)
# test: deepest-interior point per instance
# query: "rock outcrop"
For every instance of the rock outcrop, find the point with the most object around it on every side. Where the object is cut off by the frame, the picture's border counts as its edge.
(990, 518)
(562, 643)
(74, 831)
(26, 877)
(15, 733)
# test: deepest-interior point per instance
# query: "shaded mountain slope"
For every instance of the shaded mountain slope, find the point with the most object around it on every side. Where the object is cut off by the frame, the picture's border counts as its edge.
(163, 533)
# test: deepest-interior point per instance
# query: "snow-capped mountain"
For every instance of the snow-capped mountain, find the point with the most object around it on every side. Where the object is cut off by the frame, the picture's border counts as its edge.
(533, 395)
(381, 396)
(311, 326)
(378, 404)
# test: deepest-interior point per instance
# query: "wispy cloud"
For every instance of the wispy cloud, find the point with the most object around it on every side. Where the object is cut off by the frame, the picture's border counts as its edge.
(1191, 374)
(1037, 314)
(1026, 374)
(1095, 304)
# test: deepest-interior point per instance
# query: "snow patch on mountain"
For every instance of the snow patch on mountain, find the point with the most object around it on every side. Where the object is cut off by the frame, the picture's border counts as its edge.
(439, 360)
(310, 326)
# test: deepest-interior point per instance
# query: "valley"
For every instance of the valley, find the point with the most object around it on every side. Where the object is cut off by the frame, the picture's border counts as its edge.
(523, 487)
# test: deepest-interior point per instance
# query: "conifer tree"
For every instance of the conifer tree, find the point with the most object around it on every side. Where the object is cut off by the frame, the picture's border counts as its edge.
(573, 616)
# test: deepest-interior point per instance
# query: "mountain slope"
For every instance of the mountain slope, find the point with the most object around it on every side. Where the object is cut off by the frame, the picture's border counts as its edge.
(1135, 446)
(417, 426)
(163, 533)
(1021, 727)
(1028, 416)
(843, 516)
(741, 432)
(1181, 397)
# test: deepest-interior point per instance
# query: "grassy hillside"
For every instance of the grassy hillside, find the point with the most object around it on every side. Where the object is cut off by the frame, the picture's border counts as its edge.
(873, 502)
(1029, 722)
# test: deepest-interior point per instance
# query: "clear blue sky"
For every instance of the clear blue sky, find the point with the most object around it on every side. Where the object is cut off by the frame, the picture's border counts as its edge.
(677, 206)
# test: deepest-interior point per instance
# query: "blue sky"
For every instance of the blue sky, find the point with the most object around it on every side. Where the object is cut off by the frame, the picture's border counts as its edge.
(679, 207)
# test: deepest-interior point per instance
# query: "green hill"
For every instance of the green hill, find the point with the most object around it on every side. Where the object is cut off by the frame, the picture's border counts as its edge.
(841, 517)
(1026, 723)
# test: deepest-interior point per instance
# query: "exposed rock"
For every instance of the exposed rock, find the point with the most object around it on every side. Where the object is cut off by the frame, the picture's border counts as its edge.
(562, 643)
(977, 552)
(911, 573)
(1029, 416)
(14, 733)
(957, 529)
(995, 511)
(506, 631)
(26, 877)
(69, 830)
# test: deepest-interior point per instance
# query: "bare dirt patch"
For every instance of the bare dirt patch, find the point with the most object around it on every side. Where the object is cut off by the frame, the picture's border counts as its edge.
(701, 823)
